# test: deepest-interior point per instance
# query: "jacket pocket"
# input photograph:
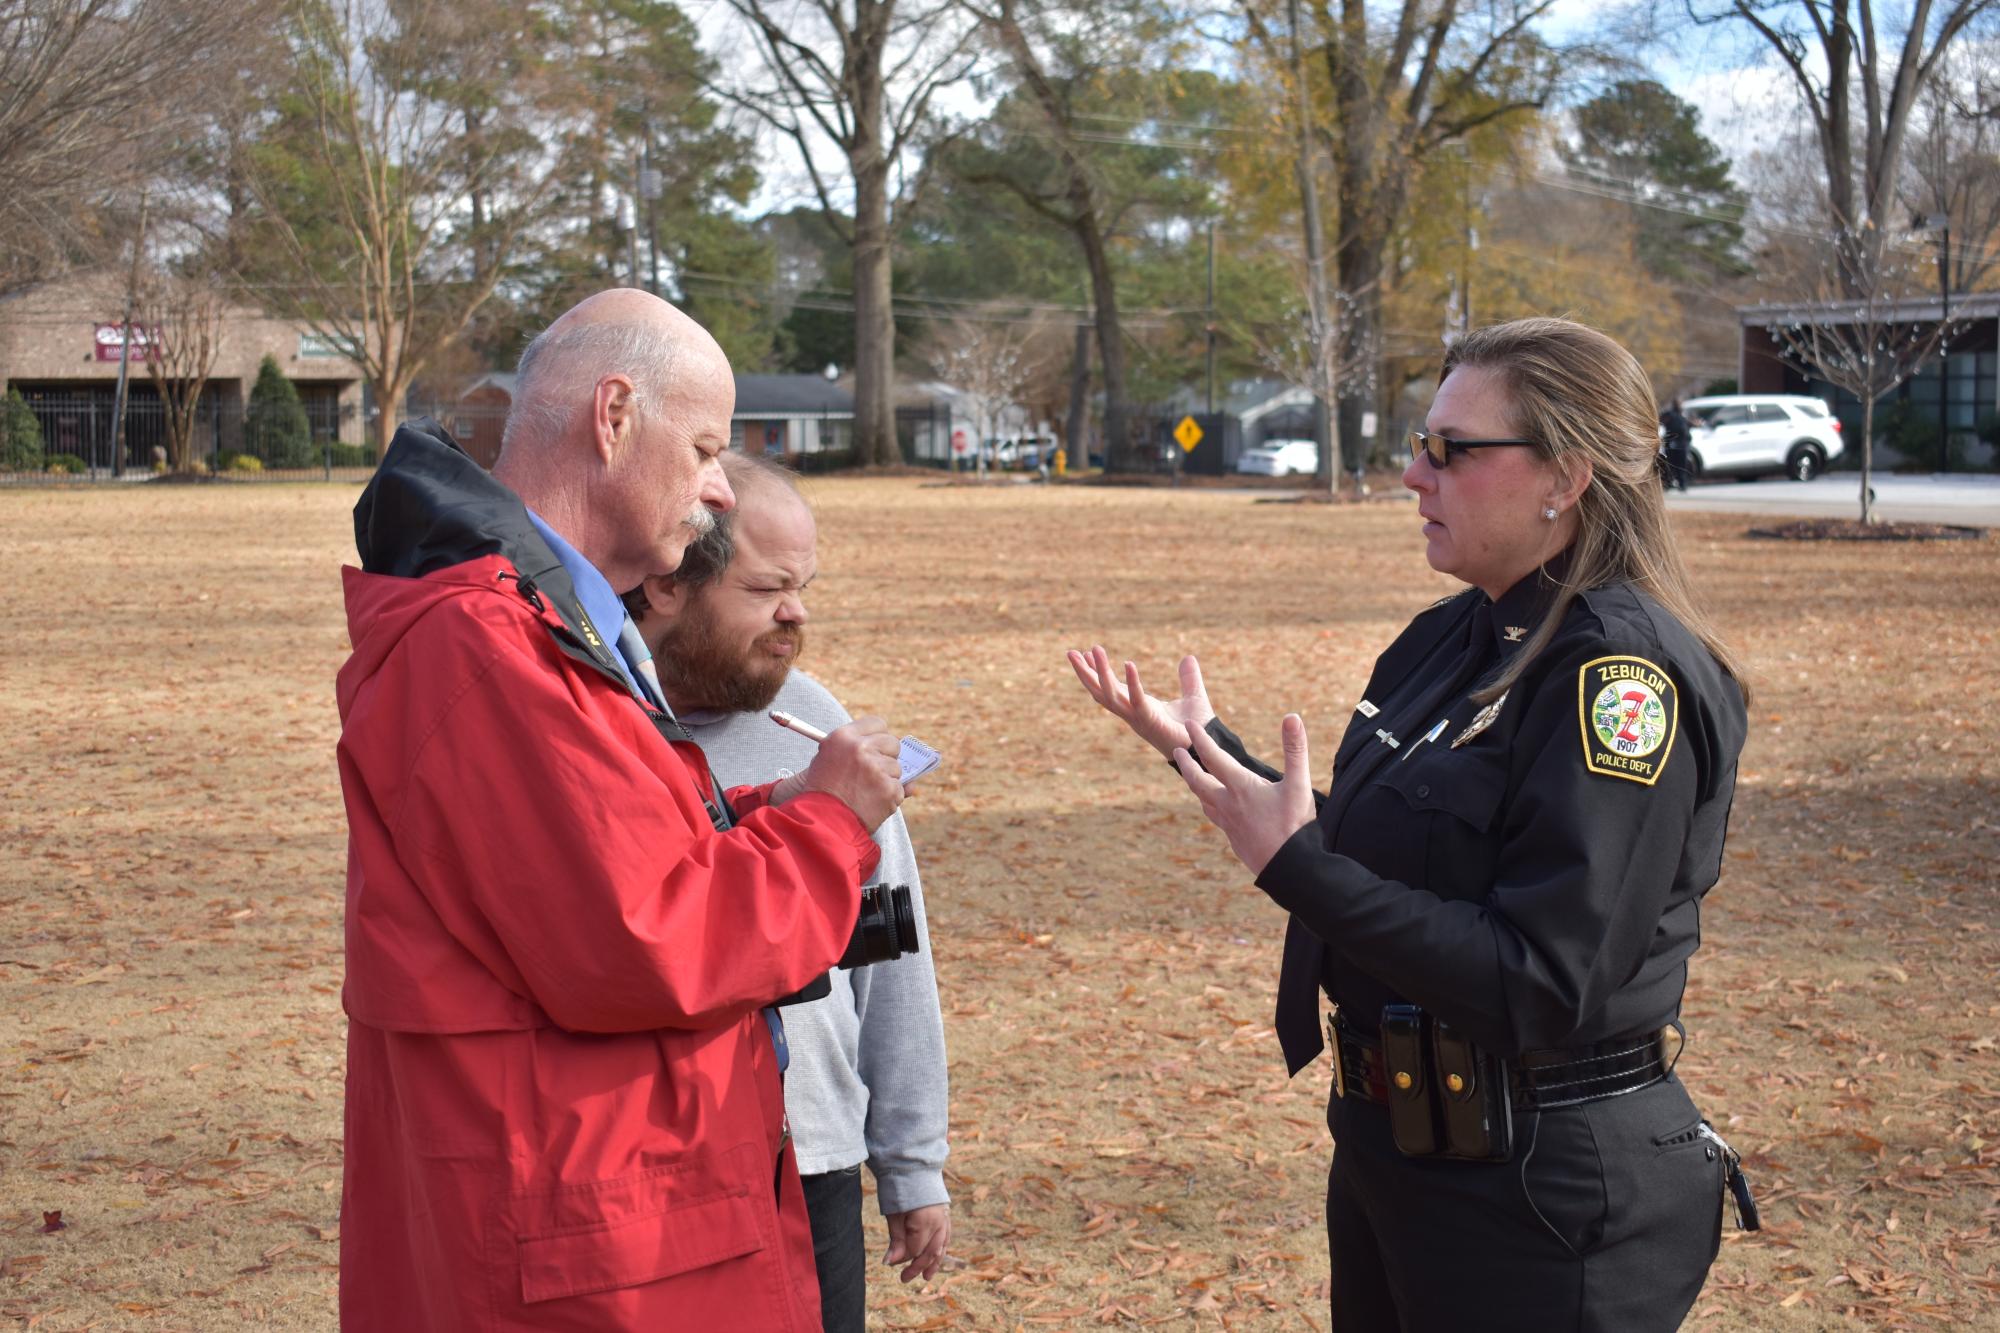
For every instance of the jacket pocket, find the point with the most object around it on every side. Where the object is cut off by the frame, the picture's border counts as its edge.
(605, 1234)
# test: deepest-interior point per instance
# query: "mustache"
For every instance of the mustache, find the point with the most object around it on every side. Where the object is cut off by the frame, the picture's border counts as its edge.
(701, 519)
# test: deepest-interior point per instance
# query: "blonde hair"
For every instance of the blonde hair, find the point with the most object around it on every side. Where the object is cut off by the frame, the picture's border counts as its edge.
(1581, 396)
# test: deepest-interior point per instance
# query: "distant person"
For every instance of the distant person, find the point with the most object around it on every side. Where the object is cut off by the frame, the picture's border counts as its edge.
(867, 1080)
(563, 1099)
(1502, 887)
(1679, 441)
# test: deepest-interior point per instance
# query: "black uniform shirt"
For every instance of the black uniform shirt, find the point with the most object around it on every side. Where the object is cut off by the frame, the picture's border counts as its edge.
(1530, 874)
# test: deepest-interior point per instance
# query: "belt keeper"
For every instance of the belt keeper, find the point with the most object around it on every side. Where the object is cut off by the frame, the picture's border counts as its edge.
(1339, 1058)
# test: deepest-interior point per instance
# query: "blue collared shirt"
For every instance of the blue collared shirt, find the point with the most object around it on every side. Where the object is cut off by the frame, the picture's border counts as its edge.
(593, 592)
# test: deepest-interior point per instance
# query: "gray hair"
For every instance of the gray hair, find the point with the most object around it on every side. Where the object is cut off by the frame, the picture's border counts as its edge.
(562, 365)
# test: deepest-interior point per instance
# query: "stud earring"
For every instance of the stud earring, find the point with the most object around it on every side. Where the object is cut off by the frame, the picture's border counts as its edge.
(1549, 513)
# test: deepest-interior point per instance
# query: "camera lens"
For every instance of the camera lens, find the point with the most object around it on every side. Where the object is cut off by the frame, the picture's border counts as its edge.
(885, 929)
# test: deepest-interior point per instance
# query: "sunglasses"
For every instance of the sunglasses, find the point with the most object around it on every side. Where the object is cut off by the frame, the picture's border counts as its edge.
(1439, 449)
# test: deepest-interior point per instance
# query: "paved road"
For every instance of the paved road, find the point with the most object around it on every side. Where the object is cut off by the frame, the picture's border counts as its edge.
(1961, 498)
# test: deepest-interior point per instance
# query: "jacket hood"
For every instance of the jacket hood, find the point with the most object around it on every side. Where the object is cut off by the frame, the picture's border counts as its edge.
(434, 524)
(430, 507)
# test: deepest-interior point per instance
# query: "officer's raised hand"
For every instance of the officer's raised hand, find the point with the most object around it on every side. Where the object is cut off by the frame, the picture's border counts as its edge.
(1161, 723)
(857, 763)
(1258, 816)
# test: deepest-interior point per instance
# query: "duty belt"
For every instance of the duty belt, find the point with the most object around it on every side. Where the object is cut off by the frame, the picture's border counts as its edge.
(1536, 1080)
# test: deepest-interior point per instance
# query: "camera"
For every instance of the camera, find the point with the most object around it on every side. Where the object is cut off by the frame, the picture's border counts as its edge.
(885, 930)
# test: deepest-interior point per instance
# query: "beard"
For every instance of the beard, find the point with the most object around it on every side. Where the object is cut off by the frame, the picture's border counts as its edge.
(695, 663)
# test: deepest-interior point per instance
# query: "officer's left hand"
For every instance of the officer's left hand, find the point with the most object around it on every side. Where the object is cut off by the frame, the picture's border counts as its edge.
(918, 1238)
(1256, 815)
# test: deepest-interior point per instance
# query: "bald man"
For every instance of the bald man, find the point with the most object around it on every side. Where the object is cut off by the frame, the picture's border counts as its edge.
(868, 1080)
(563, 1098)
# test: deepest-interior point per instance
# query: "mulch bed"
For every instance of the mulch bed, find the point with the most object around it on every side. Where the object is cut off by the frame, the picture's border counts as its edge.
(1854, 530)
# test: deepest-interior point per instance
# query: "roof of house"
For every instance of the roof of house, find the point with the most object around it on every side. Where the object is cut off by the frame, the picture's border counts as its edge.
(1914, 310)
(503, 380)
(787, 395)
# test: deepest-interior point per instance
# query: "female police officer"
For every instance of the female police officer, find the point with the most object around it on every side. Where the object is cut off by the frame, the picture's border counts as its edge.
(1501, 890)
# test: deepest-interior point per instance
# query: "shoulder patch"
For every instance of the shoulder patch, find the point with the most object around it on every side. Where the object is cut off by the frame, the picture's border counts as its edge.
(1629, 711)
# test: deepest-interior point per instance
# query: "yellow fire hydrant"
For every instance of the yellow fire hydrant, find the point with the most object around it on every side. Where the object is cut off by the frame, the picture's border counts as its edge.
(1062, 463)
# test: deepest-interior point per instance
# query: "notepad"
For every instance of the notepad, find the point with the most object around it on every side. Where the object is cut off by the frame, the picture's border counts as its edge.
(917, 759)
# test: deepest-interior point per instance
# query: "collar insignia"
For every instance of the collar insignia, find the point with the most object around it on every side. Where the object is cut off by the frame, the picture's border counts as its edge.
(1515, 633)
(1480, 721)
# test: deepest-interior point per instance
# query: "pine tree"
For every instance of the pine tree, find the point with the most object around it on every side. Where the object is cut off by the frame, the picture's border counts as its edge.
(20, 435)
(275, 428)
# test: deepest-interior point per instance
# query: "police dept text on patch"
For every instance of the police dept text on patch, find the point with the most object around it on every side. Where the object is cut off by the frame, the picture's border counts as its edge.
(1628, 708)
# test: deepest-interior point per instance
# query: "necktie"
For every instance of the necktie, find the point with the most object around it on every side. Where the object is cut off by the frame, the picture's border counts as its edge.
(632, 647)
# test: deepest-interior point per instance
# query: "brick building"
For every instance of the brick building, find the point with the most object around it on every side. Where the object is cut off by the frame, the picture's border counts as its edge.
(60, 344)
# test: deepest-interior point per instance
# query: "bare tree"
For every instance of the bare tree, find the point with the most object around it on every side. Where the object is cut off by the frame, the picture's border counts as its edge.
(1834, 51)
(92, 94)
(994, 356)
(859, 75)
(413, 155)
(1953, 174)
(183, 314)
(1866, 344)
(1398, 92)
(1846, 313)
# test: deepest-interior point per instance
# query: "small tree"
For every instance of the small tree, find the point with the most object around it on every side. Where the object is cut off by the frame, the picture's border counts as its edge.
(20, 435)
(1866, 344)
(991, 355)
(183, 314)
(275, 428)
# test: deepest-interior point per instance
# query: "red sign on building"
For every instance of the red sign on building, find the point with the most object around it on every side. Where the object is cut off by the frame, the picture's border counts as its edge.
(111, 342)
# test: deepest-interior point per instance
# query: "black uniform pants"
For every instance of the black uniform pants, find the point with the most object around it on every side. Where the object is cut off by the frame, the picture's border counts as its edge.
(833, 1203)
(1607, 1218)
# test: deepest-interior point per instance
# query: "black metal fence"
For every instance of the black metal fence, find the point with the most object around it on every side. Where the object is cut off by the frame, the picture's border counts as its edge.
(78, 435)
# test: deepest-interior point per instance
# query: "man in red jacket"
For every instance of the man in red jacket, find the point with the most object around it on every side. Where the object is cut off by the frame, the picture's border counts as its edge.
(563, 1100)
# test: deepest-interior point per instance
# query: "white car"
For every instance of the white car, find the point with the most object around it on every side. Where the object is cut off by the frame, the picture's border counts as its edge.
(1279, 458)
(1750, 434)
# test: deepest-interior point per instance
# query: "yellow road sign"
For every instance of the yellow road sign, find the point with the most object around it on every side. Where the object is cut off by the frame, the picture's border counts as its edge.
(1188, 434)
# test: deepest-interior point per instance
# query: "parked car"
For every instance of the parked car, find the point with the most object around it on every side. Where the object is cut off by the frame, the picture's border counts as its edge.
(1747, 435)
(1027, 451)
(1279, 458)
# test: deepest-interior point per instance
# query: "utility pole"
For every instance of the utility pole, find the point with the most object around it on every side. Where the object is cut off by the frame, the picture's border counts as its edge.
(125, 345)
(1211, 316)
(1944, 342)
(632, 236)
(649, 185)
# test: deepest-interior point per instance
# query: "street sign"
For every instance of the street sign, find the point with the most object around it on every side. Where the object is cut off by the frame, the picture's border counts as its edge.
(958, 441)
(1187, 434)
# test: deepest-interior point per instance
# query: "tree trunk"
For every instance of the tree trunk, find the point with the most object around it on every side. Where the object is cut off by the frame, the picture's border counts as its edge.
(874, 322)
(1867, 458)
(874, 319)
(1076, 429)
(1121, 452)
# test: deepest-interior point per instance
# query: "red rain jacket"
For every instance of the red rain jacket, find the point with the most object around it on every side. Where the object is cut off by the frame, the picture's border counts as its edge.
(563, 1105)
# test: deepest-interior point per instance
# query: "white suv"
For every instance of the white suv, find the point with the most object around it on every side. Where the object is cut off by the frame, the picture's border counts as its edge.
(1749, 434)
(1279, 458)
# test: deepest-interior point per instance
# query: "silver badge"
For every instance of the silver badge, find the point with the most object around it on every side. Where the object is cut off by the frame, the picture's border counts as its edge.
(1480, 721)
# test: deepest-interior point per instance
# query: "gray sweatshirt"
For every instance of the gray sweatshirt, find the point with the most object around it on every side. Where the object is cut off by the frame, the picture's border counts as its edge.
(867, 1079)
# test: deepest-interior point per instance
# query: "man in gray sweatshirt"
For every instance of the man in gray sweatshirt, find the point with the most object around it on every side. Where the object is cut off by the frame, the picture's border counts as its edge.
(867, 1079)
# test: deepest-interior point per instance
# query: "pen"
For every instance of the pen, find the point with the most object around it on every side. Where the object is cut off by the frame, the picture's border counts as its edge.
(1430, 735)
(790, 723)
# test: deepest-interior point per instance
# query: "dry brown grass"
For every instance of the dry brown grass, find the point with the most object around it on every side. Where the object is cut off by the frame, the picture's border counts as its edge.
(1125, 1147)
